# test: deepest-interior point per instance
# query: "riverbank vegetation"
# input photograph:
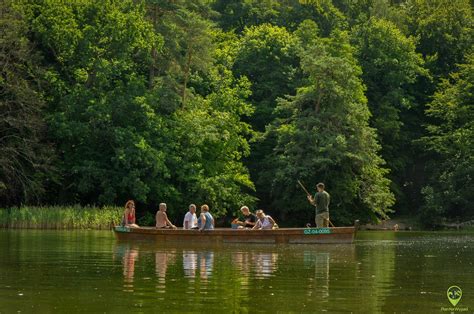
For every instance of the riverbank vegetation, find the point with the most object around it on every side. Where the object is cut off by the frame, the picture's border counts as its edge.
(230, 103)
(60, 217)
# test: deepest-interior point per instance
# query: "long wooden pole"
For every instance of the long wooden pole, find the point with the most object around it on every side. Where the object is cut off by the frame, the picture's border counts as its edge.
(307, 193)
(302, 186)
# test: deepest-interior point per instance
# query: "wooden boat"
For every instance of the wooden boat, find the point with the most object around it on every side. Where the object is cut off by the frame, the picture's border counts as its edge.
(223, 235)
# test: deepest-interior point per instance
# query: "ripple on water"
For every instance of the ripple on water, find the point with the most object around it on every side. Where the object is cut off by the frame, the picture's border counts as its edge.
(388, 272)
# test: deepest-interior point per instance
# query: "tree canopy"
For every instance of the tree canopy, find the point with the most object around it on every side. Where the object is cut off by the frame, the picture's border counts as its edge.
(231, 102)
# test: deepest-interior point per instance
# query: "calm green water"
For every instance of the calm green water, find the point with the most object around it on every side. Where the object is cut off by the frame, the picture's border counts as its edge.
(88, 271)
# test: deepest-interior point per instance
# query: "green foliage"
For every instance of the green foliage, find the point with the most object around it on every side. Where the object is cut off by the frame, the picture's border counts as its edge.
(360, 11)
(205, 136)
(119, 136)
(323, 135)
(68, 217)
(105, 125)
(210, 138)
(148, 219)
(25, 157)
(323, 12)
(390, 68)
(266, 55)
(445, 31)
(159, 101)
(188, 46)
(451, 138)
(237, 15)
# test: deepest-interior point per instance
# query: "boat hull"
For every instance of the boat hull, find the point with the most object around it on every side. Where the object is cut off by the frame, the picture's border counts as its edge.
(277, 236)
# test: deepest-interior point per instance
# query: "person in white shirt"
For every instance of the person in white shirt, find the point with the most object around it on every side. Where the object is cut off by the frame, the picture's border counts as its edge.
(264, 221)
(190, 219)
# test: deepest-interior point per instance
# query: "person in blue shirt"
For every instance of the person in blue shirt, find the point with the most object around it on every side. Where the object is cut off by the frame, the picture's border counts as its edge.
(205, 221)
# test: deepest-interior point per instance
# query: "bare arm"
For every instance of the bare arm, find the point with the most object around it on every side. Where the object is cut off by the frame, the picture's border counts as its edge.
(203, 222)
(186, 224)
(168, 222)
(271, 220)
(125, 217)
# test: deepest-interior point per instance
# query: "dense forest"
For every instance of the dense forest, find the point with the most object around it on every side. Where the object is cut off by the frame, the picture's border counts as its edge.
(230, 102)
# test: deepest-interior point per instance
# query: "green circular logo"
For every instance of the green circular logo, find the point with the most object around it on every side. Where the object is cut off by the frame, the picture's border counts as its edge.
(454, 294)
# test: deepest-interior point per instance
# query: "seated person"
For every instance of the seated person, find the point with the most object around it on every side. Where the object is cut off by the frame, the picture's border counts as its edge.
(162, 220)
(205, 221)
(190, 219)
(247, 219)
(264, 221)
(128, 219)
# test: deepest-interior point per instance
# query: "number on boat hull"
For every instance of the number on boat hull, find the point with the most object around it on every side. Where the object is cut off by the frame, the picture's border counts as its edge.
(317, 231)
(122, 229)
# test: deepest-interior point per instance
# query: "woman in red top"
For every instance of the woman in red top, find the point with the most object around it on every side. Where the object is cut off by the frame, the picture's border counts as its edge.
(128, 219)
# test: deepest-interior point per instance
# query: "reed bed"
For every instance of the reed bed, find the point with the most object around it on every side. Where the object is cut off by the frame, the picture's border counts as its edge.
(60, 217)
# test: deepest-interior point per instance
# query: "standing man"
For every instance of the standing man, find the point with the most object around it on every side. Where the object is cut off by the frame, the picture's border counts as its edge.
(321, 202)
(190, 219)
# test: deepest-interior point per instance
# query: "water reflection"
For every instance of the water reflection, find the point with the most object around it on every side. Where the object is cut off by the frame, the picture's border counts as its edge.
(201, 262)
(163, 259)
(264, 264)
(319, 282)
(380, 272)
(245, 269)
(66, 272)
(189, 263)
(129, 255)
(259, 264)
(206, 264)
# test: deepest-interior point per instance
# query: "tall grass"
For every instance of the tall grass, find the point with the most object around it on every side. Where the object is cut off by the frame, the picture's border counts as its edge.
(56, 217)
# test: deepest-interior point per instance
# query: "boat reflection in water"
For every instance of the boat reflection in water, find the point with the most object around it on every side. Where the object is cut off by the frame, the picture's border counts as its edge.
(257, 264)
(321, 264)
(163, 259)
(198, 263)
(196, 269)
(190, 263)
(264, 264)
(128, 255)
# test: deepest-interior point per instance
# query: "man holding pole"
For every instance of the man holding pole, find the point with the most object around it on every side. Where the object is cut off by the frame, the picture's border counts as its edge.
(321, 202)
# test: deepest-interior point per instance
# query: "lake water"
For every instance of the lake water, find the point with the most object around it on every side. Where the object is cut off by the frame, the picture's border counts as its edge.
(89, 271)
